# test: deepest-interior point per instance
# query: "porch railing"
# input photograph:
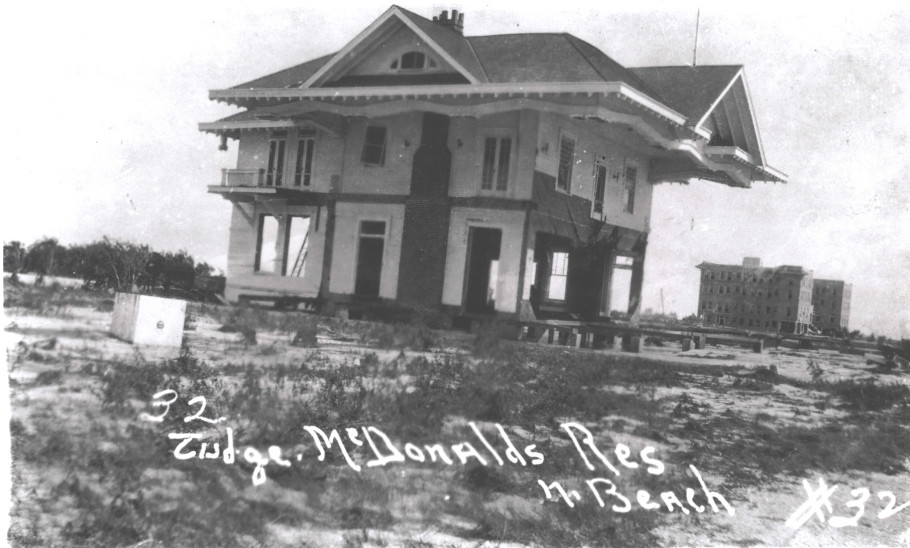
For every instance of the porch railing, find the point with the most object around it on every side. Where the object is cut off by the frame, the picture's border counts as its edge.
(243, 177)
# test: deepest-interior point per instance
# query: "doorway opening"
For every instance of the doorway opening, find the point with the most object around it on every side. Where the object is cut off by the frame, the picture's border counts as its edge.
(369, 258)
(482, 269)
(621, 287)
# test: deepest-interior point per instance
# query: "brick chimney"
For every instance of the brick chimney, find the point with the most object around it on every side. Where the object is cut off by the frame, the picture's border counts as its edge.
(456, 22)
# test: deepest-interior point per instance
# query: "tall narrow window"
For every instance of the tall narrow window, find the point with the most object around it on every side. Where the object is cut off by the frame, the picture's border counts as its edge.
(266, 244)
(628, 189)
(600, 183)
(497, 154)
(559, 273)
(275, 173)
(566, 160)
(374, 146)
(303, 171)
(369, 258)
(296, 242)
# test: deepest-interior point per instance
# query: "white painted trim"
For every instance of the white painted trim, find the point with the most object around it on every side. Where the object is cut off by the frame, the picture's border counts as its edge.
(343, 52)
(391, 12)
(457, 90)
(729, 151)
(761, 148)
(719, 98)
(222, 189)
(216, 127)
(436, 47)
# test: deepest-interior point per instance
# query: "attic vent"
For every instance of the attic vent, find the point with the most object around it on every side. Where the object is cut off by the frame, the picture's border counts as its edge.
(456, 23)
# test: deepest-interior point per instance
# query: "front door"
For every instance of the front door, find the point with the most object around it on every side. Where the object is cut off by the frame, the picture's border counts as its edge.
(482, 269)
(369, 258)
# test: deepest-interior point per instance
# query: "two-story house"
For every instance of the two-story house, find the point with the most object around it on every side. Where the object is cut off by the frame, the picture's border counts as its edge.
(481, 174)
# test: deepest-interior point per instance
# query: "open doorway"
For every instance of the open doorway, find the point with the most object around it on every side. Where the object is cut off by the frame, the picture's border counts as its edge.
(482, 269)
(621, 286)
(369, 258)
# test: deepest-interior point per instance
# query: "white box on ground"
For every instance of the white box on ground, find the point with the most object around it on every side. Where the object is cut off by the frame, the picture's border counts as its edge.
(141, 319)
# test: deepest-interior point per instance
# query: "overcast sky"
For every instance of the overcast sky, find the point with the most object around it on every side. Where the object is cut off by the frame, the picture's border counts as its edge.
(103, 102)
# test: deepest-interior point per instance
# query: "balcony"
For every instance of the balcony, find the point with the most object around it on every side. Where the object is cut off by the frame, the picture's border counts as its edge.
(243, 177)
(246, 184)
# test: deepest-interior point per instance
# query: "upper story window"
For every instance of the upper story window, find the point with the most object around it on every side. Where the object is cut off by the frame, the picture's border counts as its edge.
(374, 142)
(277, 144)
(413, 60)
(303, 170)
(497, 156)
(628, 188)
(566, 161)
(600, 184)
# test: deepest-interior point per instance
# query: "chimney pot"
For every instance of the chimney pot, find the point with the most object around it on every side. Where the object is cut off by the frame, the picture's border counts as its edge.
(456, 22)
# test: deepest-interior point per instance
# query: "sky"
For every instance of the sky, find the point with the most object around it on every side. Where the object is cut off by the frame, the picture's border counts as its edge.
(103, 102)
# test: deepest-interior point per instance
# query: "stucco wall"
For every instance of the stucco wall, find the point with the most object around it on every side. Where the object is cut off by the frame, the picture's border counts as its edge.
(241, 277)
(466, 142)
(394, 176)
(379, 60)
(327, 155)
(617, 145)
(344, 251)
(512, 225)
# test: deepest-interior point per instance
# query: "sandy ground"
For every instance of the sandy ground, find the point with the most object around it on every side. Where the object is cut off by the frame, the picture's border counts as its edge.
(761, 510)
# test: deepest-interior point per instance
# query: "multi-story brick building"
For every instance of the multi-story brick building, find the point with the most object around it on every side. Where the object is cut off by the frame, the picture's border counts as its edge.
(831, 305)
(751, 297)
(487, 174)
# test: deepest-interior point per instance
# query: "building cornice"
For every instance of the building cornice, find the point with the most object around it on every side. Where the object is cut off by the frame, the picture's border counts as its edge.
(242, 96)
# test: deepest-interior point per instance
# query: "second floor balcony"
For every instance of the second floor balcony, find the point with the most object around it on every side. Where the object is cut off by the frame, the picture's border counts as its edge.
(261, 181)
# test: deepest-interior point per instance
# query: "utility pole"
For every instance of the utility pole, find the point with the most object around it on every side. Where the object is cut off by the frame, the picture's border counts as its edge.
(695, 49)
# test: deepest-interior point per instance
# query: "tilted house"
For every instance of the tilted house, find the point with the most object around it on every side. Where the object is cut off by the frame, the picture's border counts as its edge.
(484, 174)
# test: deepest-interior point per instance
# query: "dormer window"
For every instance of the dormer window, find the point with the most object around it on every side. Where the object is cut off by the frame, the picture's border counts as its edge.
(413, 60)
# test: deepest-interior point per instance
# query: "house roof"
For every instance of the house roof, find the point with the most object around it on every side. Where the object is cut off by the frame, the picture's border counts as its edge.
(545, 64)
(289, 77)
(454, 43)
(782, 269)
(692, 91)
(502, 58)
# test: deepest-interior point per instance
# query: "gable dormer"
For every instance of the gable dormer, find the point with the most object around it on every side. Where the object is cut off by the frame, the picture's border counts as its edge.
(731, 121)
(402, 58)
(401, 48)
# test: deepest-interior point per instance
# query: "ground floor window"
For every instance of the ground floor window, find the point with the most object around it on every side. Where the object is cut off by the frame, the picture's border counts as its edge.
(281, 245)
(559, 274)
(296, 242)
(267, 245)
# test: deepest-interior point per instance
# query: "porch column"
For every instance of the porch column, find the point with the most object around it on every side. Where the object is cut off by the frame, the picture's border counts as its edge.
(638, 273)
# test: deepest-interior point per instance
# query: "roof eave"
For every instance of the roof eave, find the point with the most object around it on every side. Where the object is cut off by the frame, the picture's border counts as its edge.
(241, 96)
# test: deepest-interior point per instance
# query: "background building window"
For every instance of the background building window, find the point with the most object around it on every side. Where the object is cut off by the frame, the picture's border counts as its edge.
(374, 146)
(497, 154)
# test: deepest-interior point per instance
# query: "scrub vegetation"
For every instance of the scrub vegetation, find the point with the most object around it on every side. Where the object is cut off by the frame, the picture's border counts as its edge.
(88, 470)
